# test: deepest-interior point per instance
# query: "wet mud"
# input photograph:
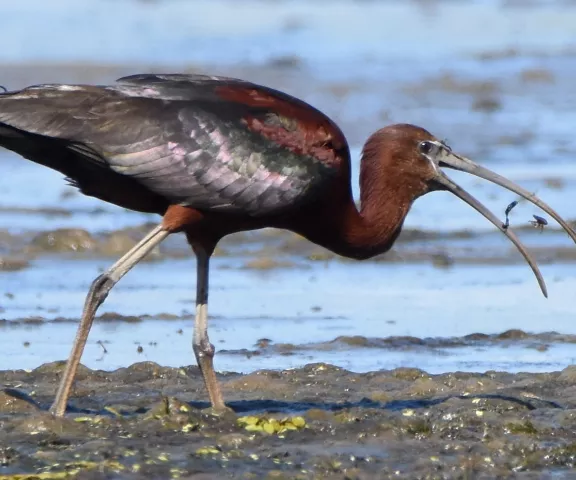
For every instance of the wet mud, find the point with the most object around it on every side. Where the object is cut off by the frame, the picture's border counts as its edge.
(318, 421)
(270, 249)
(509, 338)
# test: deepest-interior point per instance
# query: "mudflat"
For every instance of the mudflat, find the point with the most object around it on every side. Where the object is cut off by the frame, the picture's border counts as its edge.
(318, 421)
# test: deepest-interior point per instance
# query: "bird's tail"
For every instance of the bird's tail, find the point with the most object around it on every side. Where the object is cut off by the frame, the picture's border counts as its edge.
(11, 117)
(4, 128)
(14, 138)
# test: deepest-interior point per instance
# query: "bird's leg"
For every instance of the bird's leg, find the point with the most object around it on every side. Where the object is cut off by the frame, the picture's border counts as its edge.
(98, 292)
(203, 349)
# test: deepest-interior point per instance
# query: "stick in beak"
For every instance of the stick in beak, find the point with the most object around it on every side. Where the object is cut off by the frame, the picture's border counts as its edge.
(441, 156)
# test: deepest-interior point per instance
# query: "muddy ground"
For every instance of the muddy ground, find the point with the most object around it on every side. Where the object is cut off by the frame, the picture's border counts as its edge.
(270, 248)
(318, 421)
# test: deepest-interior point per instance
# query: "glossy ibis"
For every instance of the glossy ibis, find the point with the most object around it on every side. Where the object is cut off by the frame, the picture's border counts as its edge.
(217, 155)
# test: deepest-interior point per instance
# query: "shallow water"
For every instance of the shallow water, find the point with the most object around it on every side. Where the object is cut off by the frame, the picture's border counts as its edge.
(227, 31)
(296, 307)
(361, 77)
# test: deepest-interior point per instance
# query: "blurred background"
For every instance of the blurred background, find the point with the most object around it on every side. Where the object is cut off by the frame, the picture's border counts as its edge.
(495, 78)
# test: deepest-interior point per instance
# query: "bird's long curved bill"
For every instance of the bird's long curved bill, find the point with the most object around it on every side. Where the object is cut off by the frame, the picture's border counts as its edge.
(463, 164)
(470, 200)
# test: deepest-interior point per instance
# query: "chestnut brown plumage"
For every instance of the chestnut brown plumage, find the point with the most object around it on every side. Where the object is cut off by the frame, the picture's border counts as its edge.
(215, 156)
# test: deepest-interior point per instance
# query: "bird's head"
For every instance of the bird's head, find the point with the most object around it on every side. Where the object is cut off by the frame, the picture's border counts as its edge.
(417, 160)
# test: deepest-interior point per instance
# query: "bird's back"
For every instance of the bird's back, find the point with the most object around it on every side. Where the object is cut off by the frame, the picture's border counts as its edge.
(212, 143)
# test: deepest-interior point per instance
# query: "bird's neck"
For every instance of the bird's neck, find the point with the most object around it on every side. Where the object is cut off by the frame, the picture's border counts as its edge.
(372, 230)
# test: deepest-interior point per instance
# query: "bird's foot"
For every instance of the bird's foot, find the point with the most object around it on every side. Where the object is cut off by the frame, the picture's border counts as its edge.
(221, 412)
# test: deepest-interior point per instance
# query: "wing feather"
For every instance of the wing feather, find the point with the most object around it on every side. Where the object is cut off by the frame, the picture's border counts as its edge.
(201, 141)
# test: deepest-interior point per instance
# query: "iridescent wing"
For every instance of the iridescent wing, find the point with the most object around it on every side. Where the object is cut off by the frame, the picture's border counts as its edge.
(212, 143)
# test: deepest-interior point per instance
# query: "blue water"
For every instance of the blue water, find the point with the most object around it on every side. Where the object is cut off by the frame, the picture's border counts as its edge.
(391, 59)
(224, 32)
(292, 306)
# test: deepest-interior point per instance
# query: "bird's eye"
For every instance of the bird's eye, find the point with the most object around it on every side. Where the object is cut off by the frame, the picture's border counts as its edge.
(426, 147)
